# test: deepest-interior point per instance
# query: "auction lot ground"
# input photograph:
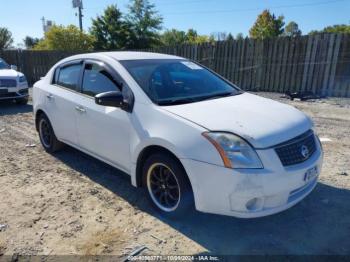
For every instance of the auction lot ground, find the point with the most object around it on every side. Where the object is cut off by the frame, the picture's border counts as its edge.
(70, 203)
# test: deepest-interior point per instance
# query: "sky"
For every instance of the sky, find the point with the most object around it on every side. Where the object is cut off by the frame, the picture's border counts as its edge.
(23, 17)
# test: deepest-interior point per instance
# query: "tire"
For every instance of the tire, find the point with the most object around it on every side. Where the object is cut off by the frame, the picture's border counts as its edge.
(47, 136)
(22, 101)
(161, 174)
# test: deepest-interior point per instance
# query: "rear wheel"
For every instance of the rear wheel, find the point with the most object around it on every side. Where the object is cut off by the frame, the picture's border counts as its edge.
(47, 136)
(167, 184)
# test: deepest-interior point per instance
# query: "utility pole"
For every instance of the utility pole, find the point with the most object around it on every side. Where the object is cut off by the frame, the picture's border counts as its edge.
(80, 19)
(79, 4)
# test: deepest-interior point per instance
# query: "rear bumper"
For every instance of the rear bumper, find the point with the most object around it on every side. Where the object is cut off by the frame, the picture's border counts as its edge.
(275, 188)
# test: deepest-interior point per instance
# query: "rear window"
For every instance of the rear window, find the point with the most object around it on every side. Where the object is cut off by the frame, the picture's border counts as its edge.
(69, 76)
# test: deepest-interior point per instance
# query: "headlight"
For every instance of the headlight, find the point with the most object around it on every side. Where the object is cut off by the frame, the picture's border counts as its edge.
(22, 79)
(234, 151)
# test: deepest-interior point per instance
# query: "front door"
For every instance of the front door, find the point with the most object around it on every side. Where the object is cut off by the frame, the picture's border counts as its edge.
(102, 130)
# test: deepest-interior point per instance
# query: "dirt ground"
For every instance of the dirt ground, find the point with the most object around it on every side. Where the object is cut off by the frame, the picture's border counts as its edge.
(69, 203)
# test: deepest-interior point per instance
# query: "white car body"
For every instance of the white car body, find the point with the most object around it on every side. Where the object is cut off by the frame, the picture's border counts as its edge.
(11, 85)
(118, 138)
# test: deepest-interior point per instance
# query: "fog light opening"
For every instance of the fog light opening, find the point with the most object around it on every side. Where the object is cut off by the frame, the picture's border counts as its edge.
(254, 204)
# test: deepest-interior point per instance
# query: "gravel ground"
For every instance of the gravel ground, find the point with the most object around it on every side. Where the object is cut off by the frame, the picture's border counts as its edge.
(70, 203)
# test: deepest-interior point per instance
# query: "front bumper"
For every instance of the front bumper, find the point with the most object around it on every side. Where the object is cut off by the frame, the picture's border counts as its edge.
(15, 93)
(275, 188)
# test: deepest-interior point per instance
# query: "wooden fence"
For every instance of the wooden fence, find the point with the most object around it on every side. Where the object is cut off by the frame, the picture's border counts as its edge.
(319, 63)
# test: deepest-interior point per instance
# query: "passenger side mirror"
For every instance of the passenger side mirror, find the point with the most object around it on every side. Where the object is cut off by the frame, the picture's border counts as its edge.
(112, 98)
(14, 67)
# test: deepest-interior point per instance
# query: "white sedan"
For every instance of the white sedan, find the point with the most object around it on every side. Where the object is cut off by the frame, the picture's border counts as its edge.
(13, 84)
(185, 134)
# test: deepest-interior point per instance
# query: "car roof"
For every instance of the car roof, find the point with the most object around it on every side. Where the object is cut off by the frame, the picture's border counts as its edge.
(119, 56)
(136, 55)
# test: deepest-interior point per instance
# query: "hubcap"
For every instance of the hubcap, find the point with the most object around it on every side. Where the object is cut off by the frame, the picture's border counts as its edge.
(45, 133)
(163, 187)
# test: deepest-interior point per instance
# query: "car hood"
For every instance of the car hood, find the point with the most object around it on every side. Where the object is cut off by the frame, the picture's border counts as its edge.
(9, 73)
(263, 122)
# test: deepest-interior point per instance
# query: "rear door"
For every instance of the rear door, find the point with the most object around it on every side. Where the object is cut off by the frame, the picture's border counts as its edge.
(61, 97)
(102, 130)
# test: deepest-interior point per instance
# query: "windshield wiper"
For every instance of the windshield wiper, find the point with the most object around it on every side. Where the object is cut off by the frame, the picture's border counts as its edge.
(186, 100)
(179, 101)
(217, 96)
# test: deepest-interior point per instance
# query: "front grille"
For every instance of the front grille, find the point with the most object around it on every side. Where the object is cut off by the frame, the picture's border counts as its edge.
(297, 150)
(8, 82)
(12, 94)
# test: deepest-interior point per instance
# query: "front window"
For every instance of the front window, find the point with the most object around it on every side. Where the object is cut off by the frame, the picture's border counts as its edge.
(97, 80)
(3, 64)
(174, 81)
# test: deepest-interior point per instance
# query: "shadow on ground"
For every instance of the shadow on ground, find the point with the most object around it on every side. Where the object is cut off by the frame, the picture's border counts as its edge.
(320, 224)
(11, 108)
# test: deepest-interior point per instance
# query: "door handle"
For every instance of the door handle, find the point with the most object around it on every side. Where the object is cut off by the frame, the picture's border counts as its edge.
(49, 96)
(80, 109)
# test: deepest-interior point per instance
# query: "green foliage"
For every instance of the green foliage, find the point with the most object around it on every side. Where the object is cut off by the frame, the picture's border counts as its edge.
(145, 23)
(292, 29)
(6, 39)
(201, 39)
(175, 37)
(110, 30)
(191, 36)
(30, 42)
(343, 29)
(68, 38)
(239, 36)
(229, 37)
(267, 26)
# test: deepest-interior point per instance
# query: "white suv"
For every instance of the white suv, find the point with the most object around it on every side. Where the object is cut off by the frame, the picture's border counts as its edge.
(181, 131)
(13, 84)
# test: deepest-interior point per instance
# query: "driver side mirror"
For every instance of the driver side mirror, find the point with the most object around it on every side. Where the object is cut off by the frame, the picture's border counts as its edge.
(112, 98)
(14, 67)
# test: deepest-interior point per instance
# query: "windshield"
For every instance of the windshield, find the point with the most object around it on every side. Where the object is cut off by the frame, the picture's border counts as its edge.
(173, 81)
(3, 64)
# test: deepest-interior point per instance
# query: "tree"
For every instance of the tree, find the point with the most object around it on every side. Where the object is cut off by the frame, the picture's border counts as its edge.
(173, 37)
(110, 30)
(342, 28)
(6, 39)
(191, 36)
(145, 23)
(239, 36)
(292, 29)
(68, 38)
(30, 42)
(219, 36)
(230, 37)
(202, 39)
(267, 26)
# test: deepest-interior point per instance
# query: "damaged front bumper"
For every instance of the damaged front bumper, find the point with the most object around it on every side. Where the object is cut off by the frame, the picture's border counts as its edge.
(249, 193)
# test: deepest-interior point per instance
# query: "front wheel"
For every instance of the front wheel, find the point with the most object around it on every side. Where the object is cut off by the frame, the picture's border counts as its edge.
(47, 136)
(167, 184)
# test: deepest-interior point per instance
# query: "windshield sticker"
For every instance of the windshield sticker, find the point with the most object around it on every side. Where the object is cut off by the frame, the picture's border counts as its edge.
(191, 65)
